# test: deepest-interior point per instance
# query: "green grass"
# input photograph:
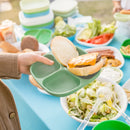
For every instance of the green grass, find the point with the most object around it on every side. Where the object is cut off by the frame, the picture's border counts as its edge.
(97, 9)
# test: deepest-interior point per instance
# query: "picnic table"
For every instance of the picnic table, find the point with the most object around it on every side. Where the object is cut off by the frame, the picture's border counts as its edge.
(38, 111)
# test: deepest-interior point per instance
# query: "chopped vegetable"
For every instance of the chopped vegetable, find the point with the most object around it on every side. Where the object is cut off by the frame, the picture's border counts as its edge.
(81, 102)
(63, 29)
(101, 39)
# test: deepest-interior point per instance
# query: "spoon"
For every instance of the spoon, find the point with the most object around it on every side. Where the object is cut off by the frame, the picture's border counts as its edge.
(127, 118)
(103, 94)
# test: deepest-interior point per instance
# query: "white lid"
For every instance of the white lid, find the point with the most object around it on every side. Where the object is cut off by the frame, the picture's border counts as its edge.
(62, 6)
(36, 20)
(31, 6)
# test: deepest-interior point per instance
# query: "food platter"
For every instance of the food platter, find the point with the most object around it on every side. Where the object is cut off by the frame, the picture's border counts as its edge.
(89, 44)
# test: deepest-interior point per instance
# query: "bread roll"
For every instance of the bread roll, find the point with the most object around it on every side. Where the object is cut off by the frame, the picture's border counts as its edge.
(29, 42)
(125, 11)
(33, 82)
(63, 49)
(7, 47)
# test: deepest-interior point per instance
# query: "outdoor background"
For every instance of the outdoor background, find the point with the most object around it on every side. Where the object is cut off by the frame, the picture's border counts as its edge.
(101, 9)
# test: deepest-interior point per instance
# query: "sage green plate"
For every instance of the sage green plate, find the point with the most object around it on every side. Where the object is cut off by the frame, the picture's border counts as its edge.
(42, 35)
(56, 79)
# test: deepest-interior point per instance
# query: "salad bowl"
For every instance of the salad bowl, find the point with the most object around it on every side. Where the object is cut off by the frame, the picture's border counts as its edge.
(121, 97)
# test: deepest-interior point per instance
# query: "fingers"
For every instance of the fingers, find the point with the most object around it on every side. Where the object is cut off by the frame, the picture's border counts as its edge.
(44, 60)
(40, 53)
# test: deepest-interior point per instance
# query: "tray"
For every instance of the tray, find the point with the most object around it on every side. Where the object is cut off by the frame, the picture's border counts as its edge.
(42, 35)
(125, 43)
(56, 79)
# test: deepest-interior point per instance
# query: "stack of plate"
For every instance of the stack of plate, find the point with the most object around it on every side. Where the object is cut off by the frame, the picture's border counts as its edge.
(64, 8)
(36, 14)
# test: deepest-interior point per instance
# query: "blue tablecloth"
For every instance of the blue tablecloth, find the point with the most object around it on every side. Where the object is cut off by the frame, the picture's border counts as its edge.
(38, 111)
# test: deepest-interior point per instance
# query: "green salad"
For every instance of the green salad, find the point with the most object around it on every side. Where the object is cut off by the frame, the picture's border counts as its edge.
(63, 29)
(81, 102)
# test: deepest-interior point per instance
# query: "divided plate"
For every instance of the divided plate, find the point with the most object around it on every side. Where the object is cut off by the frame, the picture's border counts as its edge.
(90, 44)
(42, 35)
(56, 79)
(117, 53)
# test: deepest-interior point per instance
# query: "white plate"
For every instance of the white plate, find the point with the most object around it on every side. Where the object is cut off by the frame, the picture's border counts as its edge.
(43, 91)
(127, 86)
(121, 96)
(117, 53)
(42, 47)
(89, 44)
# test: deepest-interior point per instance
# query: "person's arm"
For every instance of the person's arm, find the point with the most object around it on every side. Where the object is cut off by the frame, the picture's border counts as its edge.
(12, 65)
(116, 6)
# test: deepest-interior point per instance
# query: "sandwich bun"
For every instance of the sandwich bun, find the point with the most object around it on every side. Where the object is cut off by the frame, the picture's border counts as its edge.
(125, 11)
(64, 51)
(87, 70)
(34, 82)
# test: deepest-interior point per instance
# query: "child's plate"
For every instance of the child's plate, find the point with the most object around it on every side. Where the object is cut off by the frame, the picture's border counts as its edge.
(117, 53)
(56, 79)
(90, 44)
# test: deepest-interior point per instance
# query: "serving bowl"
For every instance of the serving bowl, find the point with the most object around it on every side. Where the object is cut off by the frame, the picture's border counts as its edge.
(112, 125)
(120, 94)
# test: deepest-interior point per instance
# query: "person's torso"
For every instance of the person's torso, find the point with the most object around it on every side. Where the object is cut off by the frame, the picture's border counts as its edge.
(125, 4)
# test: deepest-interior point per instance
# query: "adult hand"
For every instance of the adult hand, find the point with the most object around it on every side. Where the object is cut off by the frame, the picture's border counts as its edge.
(25, 60)
(117, 7)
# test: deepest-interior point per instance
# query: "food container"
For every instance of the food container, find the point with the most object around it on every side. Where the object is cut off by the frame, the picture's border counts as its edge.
(112, 125)
(124, 44)
(56, 79)
(42, 35)
(112, 73)
(64, 8)
(46, 21)
(42, 13)
(34, 6)
(123, 24)
(7, 31)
